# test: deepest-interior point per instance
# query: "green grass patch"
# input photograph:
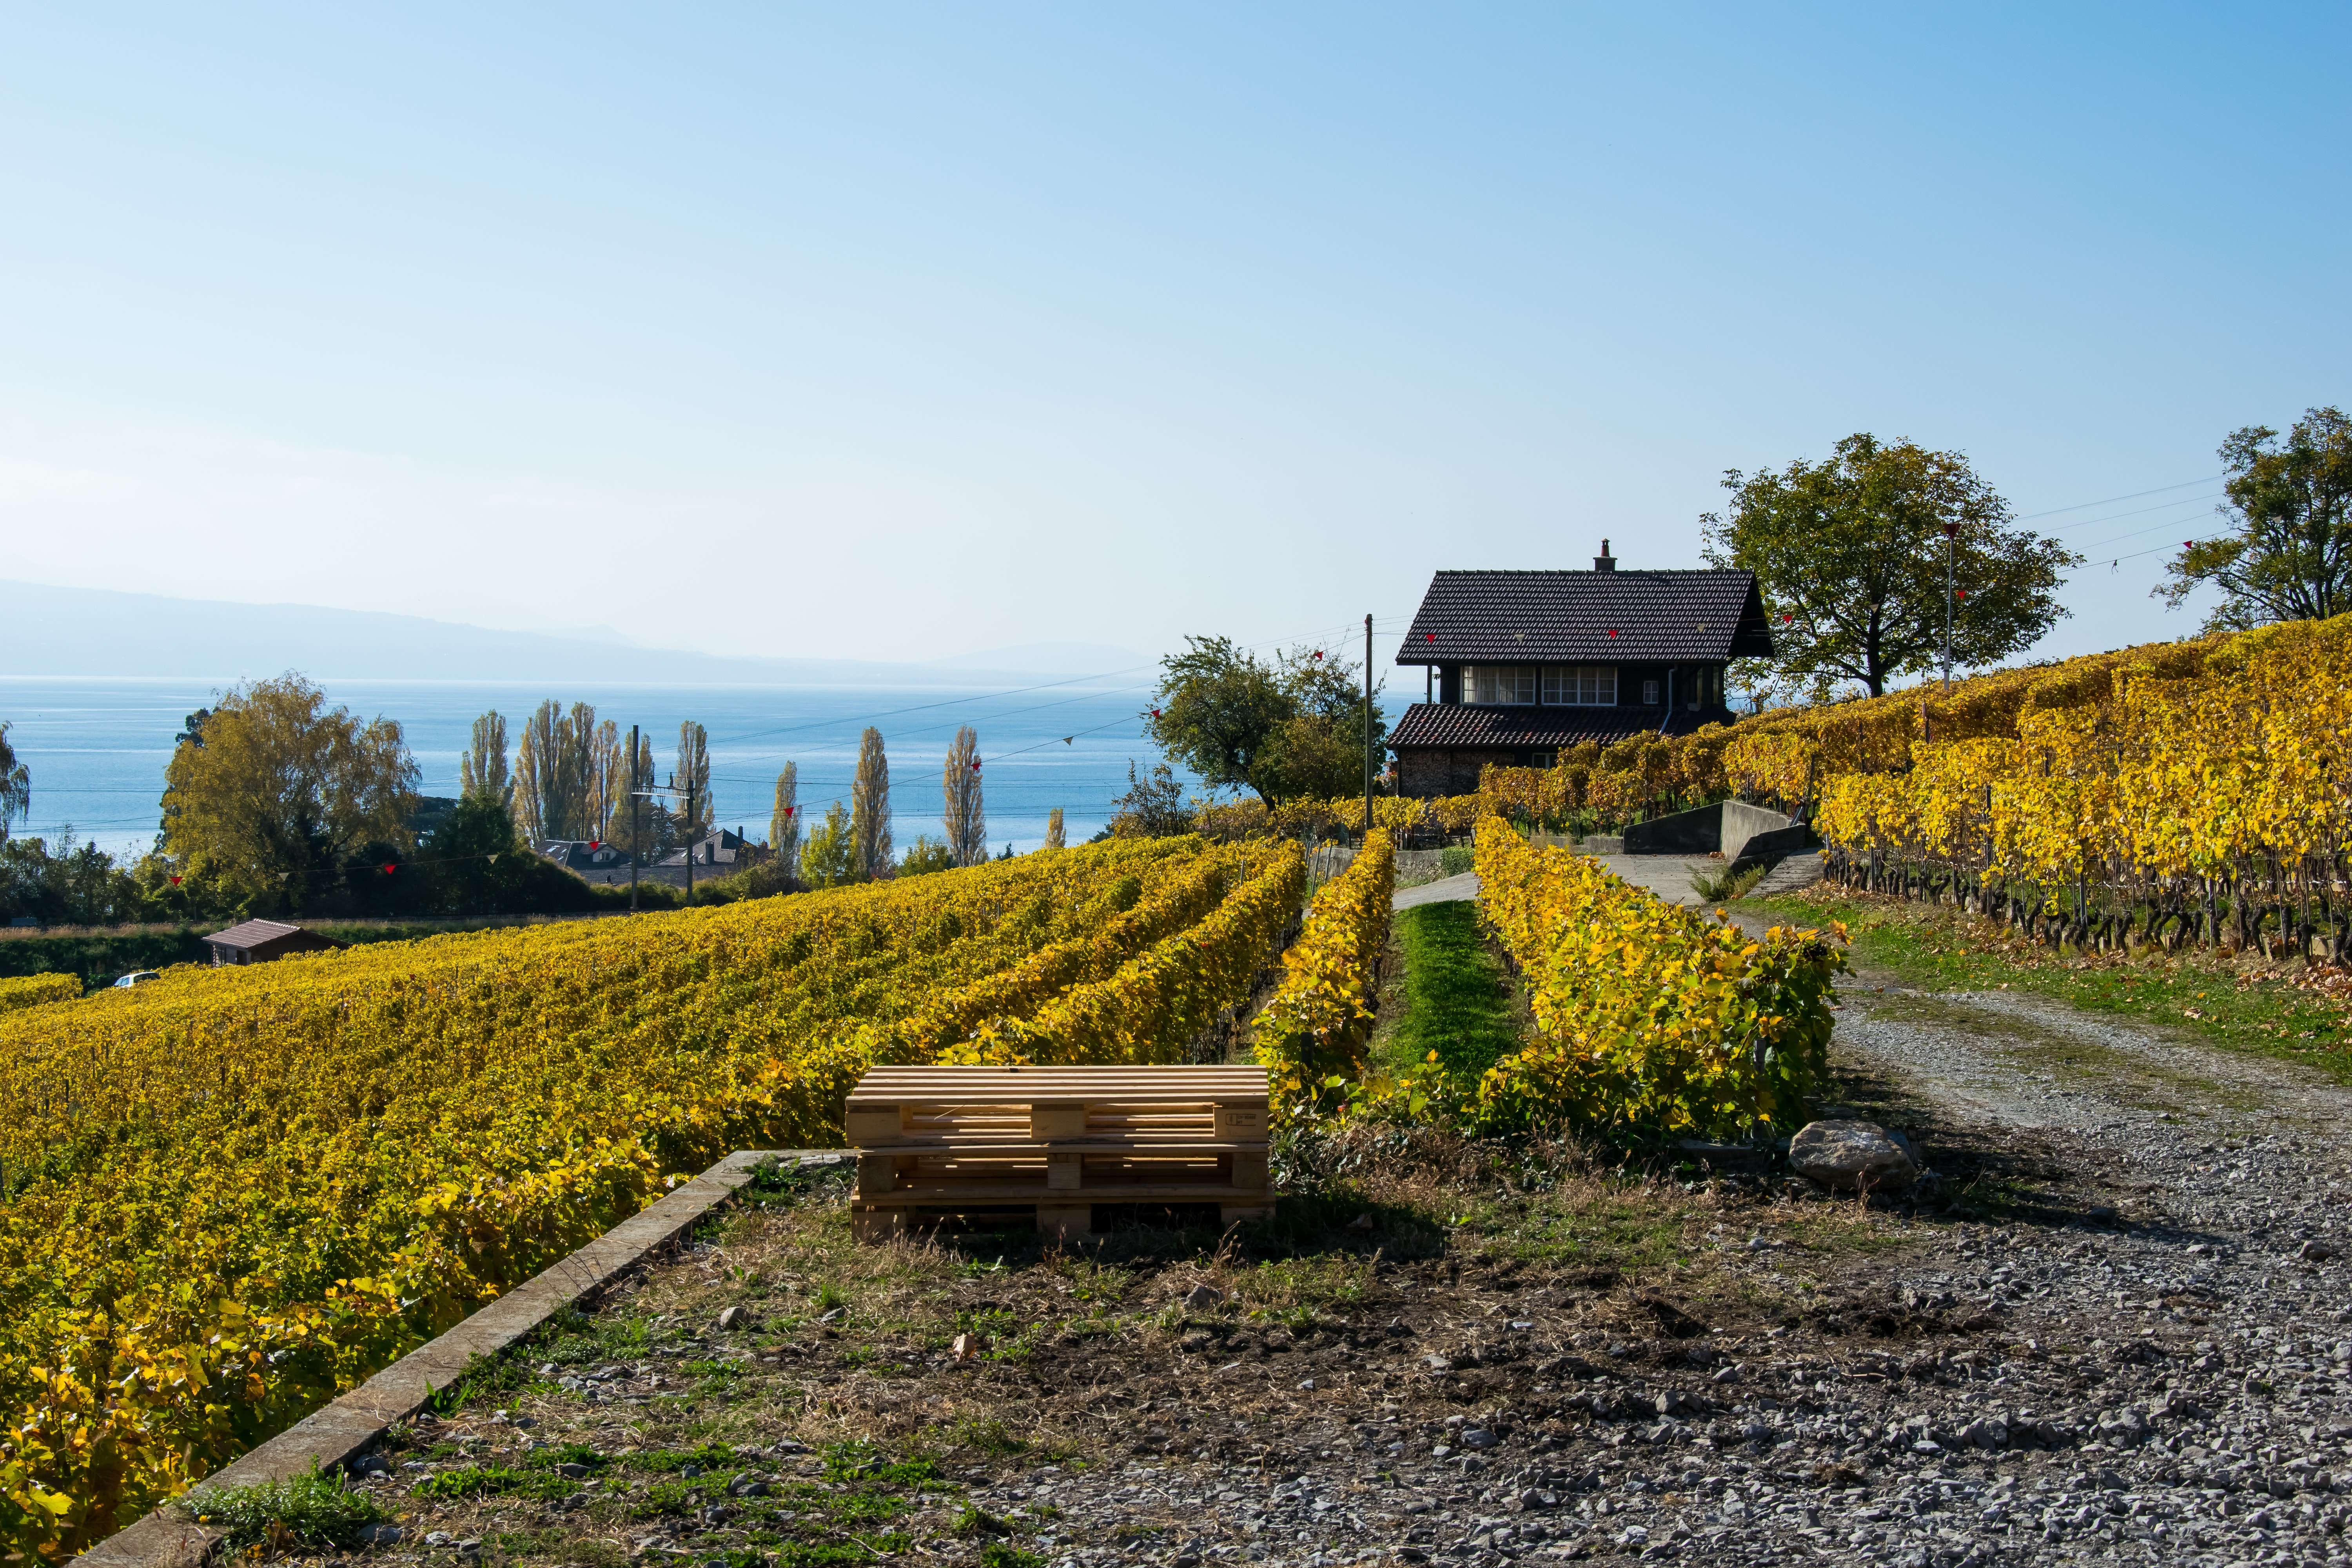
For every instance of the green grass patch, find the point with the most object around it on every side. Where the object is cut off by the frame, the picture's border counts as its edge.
(495, 1480)
(1458, 1001)
(1629, 1232)
(314, 1508)
(2243, 1004)
(1305, 1283)
(706, 1456)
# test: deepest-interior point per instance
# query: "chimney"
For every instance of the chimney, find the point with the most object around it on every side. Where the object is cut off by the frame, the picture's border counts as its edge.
(1604, 561)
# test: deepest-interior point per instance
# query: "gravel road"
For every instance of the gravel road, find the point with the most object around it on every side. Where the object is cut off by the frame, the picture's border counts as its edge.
(2161, 1369)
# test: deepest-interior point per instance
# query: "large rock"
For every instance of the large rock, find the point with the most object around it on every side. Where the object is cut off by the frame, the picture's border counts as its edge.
(1851, 1154)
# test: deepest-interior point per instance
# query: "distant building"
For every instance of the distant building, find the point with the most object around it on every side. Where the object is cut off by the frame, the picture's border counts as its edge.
(716, 854)
(258, 942)
(1523, 665)
(606, 865)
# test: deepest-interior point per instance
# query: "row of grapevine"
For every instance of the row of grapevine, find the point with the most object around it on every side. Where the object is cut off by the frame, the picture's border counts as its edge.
(1650, 1017)
(229, 1194)
(32, 990)
(1319, 1018)
(1398, 815)
(1167, 997)
(2214, 806)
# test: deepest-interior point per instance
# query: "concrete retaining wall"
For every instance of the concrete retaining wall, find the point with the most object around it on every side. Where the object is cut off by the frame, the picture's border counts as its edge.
(1732, 827)
(350, 1426)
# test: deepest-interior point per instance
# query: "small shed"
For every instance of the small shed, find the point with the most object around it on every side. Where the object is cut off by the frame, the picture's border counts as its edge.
(258, 942)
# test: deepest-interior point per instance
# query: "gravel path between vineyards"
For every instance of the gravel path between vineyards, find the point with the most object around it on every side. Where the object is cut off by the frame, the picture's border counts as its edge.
(2168, 1377)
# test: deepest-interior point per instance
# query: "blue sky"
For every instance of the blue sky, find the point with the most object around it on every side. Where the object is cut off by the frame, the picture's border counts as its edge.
(897, 333)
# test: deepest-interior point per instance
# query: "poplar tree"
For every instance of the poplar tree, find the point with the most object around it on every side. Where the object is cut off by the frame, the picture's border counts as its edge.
(569, 772)
(483, 769)
(967, 826)
(1054, 839)
(784, 825)
(693, 768)
(607, 779)
(869, 806)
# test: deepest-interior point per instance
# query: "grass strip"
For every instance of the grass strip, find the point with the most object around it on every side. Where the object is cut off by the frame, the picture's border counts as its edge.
(2245, 1003)
(1459, 1002)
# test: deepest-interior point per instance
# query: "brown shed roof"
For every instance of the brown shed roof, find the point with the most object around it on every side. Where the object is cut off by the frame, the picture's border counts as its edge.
(250, 934)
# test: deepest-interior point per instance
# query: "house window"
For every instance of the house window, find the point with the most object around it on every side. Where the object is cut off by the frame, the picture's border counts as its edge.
(1649, 694)
(1581, 685)
(1503, 683)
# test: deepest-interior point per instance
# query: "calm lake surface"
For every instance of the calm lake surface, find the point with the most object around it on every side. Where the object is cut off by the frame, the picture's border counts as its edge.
(98, 748)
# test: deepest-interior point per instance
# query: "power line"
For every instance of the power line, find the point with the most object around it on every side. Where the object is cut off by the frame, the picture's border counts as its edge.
(2135, 495)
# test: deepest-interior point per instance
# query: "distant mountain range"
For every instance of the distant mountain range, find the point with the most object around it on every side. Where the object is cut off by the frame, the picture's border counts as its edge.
(52, 631)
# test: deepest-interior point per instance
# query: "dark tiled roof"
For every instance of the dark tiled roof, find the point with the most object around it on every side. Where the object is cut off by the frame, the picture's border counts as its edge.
(577, 855)
(1468, 727)
(255, 934)
(1476, 618)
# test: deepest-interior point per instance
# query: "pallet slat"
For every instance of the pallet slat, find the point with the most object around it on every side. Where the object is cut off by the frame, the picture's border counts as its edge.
(1058, 1139)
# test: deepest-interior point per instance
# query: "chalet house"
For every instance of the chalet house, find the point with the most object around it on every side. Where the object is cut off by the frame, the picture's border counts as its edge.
(718, 852)
(607, 864)
(258, 942)
(1520, 665)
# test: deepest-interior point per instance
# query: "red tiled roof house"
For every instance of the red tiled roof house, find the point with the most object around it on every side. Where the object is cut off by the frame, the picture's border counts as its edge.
(1520, 665)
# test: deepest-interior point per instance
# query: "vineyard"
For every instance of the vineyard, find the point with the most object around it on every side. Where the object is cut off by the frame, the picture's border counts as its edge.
(32, 990)
(2198, 791)
(1650, 1017)
(1319, 1018)
(230, 1194)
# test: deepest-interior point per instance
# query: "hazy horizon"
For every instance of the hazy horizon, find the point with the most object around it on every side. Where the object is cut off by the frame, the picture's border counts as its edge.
(814, 333)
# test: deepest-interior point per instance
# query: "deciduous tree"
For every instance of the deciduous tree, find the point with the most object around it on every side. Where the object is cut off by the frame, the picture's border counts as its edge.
(1152, 807)
(1850, 555)
(784, 824)
(1292, 728)
(2288, 556)
(967, 824)
(483, 768)
(16, 784)
(829, 858)
(927, 854)
(1054, 836)
(281, 787)
(693, 768)
(869, 806)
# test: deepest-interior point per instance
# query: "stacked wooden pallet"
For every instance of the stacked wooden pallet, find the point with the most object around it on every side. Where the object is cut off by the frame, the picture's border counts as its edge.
(938, 1140)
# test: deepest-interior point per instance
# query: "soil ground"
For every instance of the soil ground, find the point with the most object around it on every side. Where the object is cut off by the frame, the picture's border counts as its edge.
(2113, 1327)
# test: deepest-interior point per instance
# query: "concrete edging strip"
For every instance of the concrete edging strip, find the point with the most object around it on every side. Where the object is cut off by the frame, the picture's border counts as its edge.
(345, 1428)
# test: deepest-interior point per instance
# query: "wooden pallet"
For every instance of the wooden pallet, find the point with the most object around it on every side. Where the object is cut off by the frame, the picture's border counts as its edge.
(1058, 1139)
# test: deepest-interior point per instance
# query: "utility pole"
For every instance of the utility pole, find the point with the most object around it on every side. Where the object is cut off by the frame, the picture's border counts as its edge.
(1951, 551)
(689, 828)
(633, 851)
(1368, 729)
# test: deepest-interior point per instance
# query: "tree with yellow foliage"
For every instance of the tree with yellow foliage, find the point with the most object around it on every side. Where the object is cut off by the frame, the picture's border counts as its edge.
(277, 787)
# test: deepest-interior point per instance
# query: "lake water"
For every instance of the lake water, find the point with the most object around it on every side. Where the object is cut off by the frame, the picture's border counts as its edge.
(98, 748)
